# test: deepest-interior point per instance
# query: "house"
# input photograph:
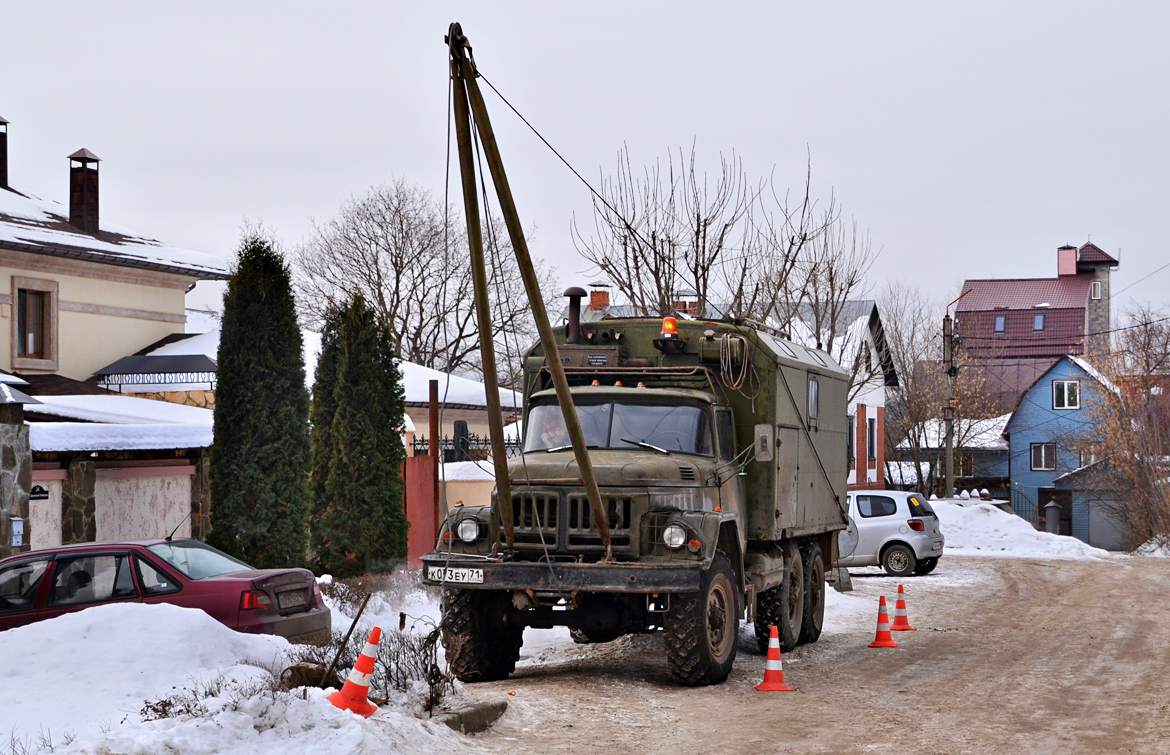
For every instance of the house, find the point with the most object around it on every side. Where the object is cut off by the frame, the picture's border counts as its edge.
(858, 344)
(77, 292)
(1093, 493)
(980, 450)
(1015, 329)
(1051, 433)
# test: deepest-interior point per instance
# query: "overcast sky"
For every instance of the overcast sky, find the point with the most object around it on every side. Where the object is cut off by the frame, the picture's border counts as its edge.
(971, 139)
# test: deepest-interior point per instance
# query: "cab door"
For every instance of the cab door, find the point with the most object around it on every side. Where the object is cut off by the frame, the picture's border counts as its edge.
(732, 488)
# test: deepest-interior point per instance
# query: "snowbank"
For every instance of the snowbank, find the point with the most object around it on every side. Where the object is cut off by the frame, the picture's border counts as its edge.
(89, 674)
(1153, 548)
(980, 529)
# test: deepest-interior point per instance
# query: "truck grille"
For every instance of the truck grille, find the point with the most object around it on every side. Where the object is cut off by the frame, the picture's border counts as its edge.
(558, 523)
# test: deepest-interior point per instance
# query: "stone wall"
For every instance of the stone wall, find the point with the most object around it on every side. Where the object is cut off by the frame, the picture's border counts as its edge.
(78, 505)
(15, 478)
(1097, 314)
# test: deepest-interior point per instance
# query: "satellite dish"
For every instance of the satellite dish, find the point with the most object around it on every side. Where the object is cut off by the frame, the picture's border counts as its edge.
(847, 539)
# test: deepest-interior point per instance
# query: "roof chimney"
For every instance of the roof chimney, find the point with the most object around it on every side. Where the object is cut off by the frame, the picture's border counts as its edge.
(1066, 260)
(3, 153)
(598, 296)
(83, 190)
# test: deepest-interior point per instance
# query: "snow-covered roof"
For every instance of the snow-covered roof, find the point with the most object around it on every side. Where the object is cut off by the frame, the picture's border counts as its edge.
(453, 389)
(31, 223)
(7, 378)
(979, 434)
(118, 423)
(1094, 373)
(467, 471)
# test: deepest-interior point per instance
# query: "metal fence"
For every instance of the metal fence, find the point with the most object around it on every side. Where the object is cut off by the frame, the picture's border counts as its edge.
(470, 447)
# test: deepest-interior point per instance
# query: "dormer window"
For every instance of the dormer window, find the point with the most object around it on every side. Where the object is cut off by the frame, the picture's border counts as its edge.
(1037, 322)
(1001, 323)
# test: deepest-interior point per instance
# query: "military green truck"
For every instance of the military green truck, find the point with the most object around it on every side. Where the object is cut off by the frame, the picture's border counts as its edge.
(719, 452)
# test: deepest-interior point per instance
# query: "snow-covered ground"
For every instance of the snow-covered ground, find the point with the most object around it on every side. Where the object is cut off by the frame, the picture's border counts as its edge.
(980, 529)
(81, 680)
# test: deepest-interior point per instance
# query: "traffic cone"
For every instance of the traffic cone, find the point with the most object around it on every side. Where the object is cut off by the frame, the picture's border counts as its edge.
(901, 620)
(773, 668)
(354, 693)
(883, 638)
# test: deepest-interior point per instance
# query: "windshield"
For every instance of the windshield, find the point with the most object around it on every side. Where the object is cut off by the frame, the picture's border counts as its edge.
(196, 560)
(668, 428)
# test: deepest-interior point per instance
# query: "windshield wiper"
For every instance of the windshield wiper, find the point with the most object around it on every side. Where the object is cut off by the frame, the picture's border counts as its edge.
(563, 448)
(644, 444)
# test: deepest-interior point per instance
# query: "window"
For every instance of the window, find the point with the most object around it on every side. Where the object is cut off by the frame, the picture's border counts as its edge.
(684, 428)
(1066, 394)
(919, 506)
(92, 579)
(814, 399)
(1090, 454)
(153, 581)
(1043, 457)
(196, 560)
(34, 324)
(876, 505)
(1095, 290)
(1037, 322)
(19, 584)
(817, 358)
(1000, 323)
(726, 437)
(850, 424)
(871, 438)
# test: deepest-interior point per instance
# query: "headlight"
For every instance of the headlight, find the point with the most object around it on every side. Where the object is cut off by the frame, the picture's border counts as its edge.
(675, 536)
(468, 530)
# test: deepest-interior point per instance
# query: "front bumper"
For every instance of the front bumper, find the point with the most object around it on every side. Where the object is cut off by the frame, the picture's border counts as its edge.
(565, 577)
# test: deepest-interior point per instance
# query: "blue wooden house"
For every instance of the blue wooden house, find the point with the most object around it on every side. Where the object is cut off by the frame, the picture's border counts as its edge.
(1053, 432)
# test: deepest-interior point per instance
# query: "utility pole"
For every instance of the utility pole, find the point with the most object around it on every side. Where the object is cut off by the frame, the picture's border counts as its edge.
(949, 407)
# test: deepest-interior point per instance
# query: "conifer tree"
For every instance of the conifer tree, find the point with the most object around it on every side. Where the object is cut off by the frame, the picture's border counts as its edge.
(321, 412)
(363, 526)
(260, 457)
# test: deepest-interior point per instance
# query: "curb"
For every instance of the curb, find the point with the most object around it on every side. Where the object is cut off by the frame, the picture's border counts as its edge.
(474, 718)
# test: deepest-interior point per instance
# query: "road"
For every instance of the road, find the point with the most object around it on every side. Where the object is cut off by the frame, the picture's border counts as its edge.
(1017, 655)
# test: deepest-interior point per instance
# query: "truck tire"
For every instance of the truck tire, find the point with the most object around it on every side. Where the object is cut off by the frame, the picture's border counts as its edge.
(702, 628)
(814, 592)
(898, 560)
(783, 605)
(926, 565)
(481, 634)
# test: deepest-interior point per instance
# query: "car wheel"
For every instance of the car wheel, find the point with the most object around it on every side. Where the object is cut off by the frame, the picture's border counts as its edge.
(898, 560)
(926, 566)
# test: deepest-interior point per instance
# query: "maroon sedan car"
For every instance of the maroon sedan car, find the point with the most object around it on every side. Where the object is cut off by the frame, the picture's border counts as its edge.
(47, 583)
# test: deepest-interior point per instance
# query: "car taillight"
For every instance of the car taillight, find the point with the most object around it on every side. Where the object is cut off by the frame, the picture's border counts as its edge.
(916, 525)
(255, 599)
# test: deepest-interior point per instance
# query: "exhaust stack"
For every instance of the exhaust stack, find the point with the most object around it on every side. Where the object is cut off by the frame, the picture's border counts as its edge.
(575, 294)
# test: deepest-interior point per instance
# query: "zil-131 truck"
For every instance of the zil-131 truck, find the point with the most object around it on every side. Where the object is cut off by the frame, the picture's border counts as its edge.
(719, 452)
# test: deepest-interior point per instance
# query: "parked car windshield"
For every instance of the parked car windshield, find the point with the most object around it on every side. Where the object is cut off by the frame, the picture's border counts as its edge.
(196, 560)
(919, 506)
(678, 428)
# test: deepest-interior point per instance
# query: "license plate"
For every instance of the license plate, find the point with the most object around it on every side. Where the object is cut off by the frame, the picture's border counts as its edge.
(291, 599)
(454, 574)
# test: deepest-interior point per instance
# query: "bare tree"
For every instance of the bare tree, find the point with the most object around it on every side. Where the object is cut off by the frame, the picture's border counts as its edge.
(735, 243)
(408, 257)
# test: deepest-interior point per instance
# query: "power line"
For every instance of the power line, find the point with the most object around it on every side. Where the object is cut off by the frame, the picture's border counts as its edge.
(1139, 280)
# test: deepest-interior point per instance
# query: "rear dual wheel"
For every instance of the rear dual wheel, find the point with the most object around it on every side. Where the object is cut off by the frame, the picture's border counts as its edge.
(783, 605)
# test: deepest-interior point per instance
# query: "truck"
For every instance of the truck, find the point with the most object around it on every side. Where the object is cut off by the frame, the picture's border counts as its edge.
(719, 452)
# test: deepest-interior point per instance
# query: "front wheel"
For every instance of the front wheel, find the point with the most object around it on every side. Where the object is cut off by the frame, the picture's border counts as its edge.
(926, 566)
(482, 634)
(898, 560)
(702, 628)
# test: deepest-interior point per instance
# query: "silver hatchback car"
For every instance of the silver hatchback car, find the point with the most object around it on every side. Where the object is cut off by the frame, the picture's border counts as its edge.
(893, 529)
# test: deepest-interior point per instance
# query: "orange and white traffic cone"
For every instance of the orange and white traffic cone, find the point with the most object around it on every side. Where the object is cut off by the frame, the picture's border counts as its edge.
(901, 619)
(354, 694)
(883, 638)
(773, 668)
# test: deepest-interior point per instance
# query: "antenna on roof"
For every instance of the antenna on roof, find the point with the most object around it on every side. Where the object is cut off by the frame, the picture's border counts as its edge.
(176, 529)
